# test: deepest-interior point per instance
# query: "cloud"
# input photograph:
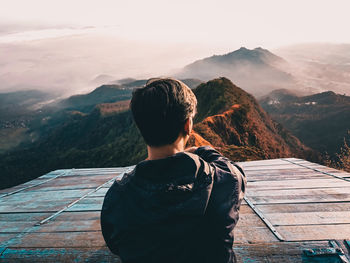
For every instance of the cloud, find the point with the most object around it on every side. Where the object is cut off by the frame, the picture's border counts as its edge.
(38, 34)
(67, 60)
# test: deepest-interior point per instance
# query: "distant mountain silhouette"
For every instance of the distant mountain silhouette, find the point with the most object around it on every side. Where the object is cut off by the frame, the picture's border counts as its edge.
(257, 71)
(320, 121)
(102, 79)
(102, 94)
(135, 83)
(108, 93)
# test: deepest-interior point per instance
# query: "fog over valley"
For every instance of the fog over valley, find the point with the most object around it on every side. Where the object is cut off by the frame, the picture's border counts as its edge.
(73, 63)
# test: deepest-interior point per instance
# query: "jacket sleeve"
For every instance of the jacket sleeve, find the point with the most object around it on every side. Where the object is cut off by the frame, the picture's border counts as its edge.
(107, 220)
(226, 197)
(217, 160)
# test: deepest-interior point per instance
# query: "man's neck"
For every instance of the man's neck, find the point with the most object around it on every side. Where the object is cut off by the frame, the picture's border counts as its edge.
(161, 152)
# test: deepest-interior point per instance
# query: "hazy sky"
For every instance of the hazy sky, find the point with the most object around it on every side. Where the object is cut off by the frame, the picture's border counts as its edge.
(268, 23)
(66, 43)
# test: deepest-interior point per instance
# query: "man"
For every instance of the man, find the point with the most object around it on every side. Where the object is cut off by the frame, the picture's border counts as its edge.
(177, 205)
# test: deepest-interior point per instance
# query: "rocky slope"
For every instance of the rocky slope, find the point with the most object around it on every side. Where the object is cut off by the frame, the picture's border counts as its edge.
(232, 120)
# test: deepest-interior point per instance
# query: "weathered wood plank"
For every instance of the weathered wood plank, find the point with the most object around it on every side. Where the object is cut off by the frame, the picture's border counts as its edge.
(247, 217)
(321, 192)
(249, 234)
(280, 252)
(18, 217)
(305, 183)
(73, 221)
(289, 176)
(15, 227)
(310, 232)
(309, 218)
(76, 216)
(277, 172)
(306, 207)
(270, 252)
(42, 206)
(343, 175)
(89, 203)
(73, 183)
(250, 228)
(93, 174)
(103, 169)
(100, 193)
(54, 173)
(23, 197)
(100, 254)
(18, 222)
(30, 183)
(322, 168)
(263, 162)
(91, 239)
(5, 237)
(299, 198)
(274, 167)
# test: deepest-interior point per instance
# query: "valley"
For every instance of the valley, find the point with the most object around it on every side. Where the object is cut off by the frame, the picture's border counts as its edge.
(251, 106)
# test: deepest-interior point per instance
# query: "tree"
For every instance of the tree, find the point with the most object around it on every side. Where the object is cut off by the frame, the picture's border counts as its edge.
(344, 156)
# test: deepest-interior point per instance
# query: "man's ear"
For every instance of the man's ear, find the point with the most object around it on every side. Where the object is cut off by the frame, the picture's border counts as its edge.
(188, 126)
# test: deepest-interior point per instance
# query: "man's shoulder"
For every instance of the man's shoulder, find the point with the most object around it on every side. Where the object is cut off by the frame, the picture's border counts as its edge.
(119, 185)
(125, 178)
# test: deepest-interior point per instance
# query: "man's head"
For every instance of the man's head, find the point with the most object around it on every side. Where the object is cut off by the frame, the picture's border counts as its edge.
(163, 110)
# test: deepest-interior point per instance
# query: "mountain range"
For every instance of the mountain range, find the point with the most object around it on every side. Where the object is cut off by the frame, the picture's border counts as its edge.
(228, 118)
(39, 134)
(321, 121)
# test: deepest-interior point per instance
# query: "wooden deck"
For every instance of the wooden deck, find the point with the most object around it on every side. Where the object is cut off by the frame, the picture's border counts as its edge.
(294, 211)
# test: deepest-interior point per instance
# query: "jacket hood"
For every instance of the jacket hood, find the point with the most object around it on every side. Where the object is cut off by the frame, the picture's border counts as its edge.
(174, 185)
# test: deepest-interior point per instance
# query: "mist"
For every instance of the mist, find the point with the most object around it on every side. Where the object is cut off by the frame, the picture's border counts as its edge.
(320, 66)
(67, 62)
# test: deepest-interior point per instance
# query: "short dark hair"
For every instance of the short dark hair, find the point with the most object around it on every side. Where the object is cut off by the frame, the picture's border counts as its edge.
(161, 108)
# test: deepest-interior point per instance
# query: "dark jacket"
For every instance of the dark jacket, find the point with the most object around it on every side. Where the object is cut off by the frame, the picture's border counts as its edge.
(178, 209)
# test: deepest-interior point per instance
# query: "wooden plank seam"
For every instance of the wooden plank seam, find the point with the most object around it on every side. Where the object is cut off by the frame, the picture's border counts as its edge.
(11, 241)
(316, 170)
(31, 186)
(6, 244)
(76, 201)
(264, 219)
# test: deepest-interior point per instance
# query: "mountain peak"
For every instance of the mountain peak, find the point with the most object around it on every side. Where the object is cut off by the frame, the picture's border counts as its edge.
(106, 88)
(257, 55)
(258, 70)
(217, 96)
(243, 49)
